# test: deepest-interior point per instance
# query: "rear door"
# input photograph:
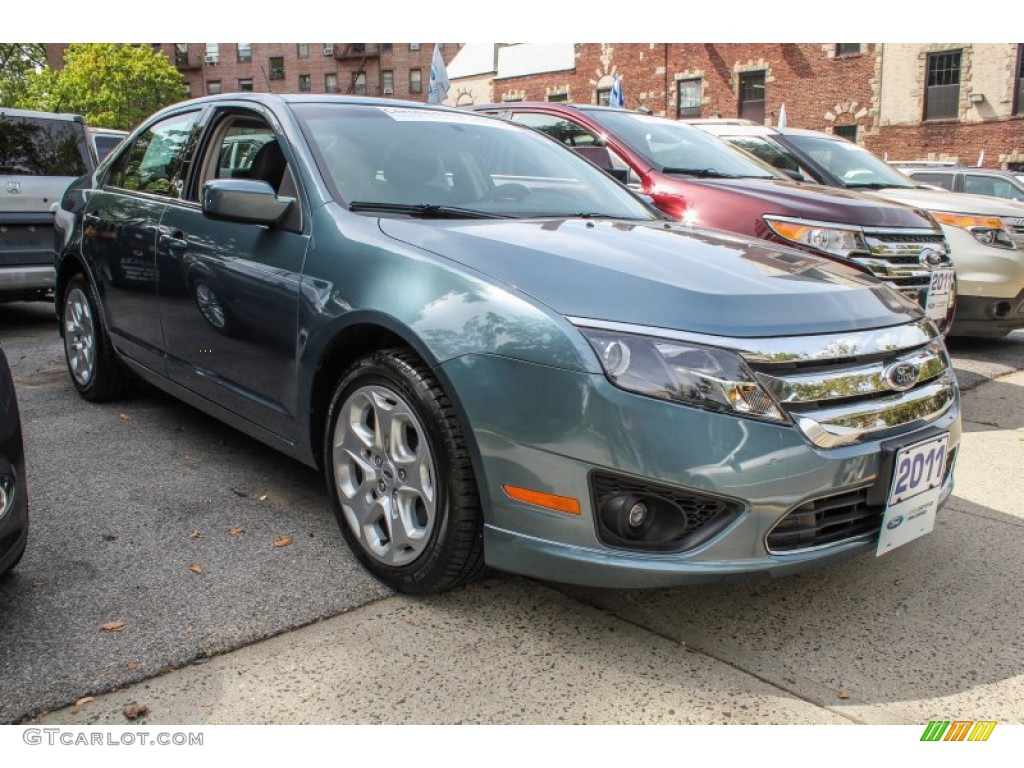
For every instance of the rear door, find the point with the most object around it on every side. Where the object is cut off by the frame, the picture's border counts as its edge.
(120, 231)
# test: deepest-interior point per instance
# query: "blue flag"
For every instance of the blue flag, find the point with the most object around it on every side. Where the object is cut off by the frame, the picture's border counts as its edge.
(439, 84)
(615, 97)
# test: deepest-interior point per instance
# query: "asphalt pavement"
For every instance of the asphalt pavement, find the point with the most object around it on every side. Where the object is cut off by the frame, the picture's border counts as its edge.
(128, 498)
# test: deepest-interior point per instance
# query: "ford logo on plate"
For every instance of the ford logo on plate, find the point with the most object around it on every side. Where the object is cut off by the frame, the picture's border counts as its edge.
(901, 376)
(14, 187)
(895, 523)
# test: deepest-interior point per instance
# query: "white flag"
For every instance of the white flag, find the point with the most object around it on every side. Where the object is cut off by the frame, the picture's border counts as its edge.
(439, 84)
(782, 117)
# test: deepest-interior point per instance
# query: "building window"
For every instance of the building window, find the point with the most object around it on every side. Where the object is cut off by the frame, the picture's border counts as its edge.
(212, 53)
(213, 86)
(245, 83)
(558, 97)
(942, 92)
(752, 96)
(1019, 108)
(846, 131)
(245, 51)
(689, 97)
(415, 81)
(359, 83)
(331, 82)
(188, 90)
(302, 50)
(847, 49)
(387, 81)
(604, 96)
(277, 67)
(385, 47)
(304, 84)
(414, 46)
(181, 54)
(328, 49)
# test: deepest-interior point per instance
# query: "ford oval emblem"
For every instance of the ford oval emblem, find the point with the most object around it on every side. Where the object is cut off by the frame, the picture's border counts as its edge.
(895, 523)
(930, 257)
(901, 376)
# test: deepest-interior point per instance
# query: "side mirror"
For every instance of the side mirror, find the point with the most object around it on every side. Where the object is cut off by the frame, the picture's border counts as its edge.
(246, 201)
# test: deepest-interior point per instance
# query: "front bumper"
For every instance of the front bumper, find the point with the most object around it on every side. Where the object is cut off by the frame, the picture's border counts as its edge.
(584, 425)
(990, 286)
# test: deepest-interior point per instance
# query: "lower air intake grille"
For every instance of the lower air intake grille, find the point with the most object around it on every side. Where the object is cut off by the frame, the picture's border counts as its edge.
(825, 521)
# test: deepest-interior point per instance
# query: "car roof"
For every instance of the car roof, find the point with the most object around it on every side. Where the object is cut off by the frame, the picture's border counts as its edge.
(555, 106)
(31, 113)
(955, 168)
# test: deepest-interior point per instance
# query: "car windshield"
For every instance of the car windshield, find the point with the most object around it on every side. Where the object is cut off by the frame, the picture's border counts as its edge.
(428, 162)
(39, 147)
(853, 165)
(674, 147)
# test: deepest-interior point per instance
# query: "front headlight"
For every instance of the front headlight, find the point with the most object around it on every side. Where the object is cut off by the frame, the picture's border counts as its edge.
(987, 230)
(819, 236)
(688, 373)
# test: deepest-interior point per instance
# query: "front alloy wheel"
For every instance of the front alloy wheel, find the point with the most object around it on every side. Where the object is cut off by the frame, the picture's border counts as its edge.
(399, 476)
(95, 369)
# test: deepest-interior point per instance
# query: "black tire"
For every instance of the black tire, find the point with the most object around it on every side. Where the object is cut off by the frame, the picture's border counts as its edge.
(17, 558)
(394, 393)
(106, 378)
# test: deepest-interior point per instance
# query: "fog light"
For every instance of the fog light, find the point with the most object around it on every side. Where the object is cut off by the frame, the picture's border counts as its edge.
(637, 515)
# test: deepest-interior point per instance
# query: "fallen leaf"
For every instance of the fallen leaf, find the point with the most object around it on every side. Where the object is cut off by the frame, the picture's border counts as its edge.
(235, 530)
(195, 535)
(196, 568)
(843, 695)
(84, 701)
(134, 710)
(132, 665)
(113, 626)
(206, 706)
(283, 541)
(263, 497)
(124, 417)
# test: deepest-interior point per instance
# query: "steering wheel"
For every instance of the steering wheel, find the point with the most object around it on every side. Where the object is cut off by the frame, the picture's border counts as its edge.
(512, 192)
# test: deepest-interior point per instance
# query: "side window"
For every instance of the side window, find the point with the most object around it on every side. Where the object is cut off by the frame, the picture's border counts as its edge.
(944, 180)
(244, 146)
(565, 131)
(770, 153)
(156, 161)
(988, 185)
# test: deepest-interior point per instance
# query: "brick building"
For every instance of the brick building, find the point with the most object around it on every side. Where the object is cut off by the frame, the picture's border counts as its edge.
(914, 101)
(398, 70)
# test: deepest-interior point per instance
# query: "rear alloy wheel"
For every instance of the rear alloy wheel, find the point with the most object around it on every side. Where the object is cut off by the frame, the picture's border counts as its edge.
(399, 476)
(95, 370)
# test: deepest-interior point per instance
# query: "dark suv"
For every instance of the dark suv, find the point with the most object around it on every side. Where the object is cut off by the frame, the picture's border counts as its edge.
(40, 154)
(706, 183)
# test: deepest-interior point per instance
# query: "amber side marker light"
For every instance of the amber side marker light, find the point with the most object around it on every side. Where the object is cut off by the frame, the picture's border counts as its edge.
(547, 500)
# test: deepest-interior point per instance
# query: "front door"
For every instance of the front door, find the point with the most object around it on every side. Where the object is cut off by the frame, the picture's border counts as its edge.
(230, 299)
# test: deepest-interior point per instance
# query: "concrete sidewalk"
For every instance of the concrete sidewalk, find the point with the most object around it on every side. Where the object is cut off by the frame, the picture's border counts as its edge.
(510, 650)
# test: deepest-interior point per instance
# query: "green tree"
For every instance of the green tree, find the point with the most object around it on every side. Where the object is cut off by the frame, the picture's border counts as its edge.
(112, 84)
(19, 63)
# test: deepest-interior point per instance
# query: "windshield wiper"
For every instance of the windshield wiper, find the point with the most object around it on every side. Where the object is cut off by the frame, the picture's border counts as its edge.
(704, 173)
(424, 210)
(875, 185)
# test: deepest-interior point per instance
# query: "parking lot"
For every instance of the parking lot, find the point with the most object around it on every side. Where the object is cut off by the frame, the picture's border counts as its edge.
(194, 544)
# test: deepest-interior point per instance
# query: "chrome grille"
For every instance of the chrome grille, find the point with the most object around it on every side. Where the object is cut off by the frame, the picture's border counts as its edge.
(895, 257)
(855, 387)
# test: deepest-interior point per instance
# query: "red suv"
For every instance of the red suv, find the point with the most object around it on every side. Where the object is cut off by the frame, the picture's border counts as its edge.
(704, 182)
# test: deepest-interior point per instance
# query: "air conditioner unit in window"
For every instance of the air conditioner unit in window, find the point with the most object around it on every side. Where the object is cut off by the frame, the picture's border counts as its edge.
(212, 59)
(388, 90)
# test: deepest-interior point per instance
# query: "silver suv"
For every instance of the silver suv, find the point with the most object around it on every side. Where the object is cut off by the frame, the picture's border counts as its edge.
(40, 154)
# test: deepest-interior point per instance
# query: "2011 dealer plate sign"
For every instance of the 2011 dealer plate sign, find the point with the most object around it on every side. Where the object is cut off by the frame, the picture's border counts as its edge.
(918, 471)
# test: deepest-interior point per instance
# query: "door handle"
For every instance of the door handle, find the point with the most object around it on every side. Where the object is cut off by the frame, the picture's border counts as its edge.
(174, 243)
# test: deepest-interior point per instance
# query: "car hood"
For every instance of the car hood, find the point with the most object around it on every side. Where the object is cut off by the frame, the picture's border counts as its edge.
(813, 201)
(951, 202)
(663, 275)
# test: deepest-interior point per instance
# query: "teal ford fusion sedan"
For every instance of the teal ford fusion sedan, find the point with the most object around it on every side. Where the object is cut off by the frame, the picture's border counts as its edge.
(497, 354)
